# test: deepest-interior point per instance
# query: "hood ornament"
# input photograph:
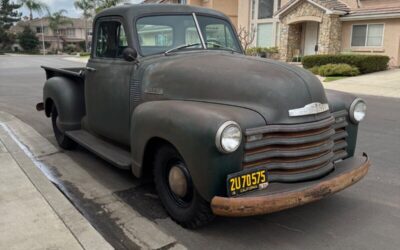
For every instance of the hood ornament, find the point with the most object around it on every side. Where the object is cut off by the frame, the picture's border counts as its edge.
(310, 109)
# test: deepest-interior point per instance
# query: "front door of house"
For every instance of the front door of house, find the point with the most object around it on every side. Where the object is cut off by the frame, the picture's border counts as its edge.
(310, 37)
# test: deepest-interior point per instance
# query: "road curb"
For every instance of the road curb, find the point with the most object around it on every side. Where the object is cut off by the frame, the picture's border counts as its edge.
(32, 152)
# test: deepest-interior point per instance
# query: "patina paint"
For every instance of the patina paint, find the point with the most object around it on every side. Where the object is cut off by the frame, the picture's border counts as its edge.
(183, 98)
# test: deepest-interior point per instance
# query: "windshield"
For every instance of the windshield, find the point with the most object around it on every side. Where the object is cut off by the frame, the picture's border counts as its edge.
(158, 34)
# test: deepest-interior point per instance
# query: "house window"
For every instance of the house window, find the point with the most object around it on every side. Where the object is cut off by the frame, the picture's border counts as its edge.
(263, 23)
(367, 35)
(265, 35)
(265, 9)
(70, 32)
(182, 1)
(253, 9)
(38, 29)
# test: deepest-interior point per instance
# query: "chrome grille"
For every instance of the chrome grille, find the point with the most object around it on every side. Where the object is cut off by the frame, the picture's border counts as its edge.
(340, 135)
(297, 152)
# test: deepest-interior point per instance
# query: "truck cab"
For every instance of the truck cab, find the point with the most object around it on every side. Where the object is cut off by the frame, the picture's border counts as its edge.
(168, 93)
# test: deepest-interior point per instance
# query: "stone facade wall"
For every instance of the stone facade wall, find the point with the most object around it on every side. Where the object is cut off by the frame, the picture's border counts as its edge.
(329, 30)
(330, 35)
(294, 40)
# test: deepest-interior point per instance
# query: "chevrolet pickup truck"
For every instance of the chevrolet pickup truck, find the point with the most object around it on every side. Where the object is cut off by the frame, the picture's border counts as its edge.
(169, 94)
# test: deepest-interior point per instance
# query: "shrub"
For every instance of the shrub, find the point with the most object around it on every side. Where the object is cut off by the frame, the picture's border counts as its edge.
(70, 49)
(338, 70)
(263, 52)
(297, 59)
(84, 54)
(365, 63)
(314, 70)
(28, 40)
(251, 51)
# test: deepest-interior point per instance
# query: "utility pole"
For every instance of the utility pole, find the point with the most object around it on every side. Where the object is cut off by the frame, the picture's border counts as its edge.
(44, 47)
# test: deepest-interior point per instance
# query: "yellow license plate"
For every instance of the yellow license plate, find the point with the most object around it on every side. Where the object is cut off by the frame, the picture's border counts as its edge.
(246, 181)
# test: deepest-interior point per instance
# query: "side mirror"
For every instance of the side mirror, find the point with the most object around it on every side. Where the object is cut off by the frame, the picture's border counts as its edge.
(129, 54)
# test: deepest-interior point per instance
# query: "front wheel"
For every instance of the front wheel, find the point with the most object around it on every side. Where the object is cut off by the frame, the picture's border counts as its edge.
(176, 190)
(63, 141)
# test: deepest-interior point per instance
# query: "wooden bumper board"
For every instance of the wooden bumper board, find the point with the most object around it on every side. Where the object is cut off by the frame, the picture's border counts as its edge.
(348, 172)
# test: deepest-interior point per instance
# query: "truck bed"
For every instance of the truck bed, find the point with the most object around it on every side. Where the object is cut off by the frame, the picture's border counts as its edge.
(74, 73)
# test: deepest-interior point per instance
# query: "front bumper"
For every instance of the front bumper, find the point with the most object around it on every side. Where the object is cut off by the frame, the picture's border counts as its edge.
(280, 196)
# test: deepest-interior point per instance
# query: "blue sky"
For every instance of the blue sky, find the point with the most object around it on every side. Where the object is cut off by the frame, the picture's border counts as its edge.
(68, 5)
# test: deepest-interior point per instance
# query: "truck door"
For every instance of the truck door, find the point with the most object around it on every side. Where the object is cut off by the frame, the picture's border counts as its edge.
(107, 82)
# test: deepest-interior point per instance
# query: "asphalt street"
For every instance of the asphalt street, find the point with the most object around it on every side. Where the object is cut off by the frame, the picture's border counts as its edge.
(365, 216)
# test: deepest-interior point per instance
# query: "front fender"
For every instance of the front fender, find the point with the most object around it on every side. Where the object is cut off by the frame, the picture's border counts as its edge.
(342, 101)
(68, 96)
(191, 127)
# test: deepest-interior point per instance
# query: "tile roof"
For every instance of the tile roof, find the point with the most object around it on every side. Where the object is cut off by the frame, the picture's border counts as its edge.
(374, 11)
(329, 4)
(333, 5)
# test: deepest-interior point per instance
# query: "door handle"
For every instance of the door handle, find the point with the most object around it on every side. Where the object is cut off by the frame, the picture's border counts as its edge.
(90, 69)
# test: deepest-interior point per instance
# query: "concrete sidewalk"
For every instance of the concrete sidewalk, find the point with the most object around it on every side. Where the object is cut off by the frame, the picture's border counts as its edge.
(77, 59)
(34, 213)
(385, 83)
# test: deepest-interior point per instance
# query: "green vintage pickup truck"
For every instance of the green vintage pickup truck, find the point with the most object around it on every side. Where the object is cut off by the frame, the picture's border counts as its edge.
(168, 94)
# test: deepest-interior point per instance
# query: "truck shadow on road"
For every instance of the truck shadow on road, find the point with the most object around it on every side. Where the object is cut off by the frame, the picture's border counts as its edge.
(332, 218)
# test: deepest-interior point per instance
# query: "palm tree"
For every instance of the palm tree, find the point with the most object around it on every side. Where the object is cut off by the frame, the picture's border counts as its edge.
(86, 6)
(34, 6)
(56, 20)
(104, 4)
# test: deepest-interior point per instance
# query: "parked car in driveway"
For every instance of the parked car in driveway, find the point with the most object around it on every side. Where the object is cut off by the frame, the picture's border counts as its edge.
(168, 93)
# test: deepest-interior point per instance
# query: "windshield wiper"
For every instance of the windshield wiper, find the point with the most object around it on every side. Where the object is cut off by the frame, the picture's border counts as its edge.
(181, 47)
(220, 46)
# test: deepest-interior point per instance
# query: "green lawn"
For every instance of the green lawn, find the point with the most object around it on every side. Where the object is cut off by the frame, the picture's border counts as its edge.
(334, 78)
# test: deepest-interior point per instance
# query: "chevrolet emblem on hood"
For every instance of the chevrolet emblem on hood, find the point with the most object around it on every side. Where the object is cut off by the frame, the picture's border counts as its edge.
(310, 109)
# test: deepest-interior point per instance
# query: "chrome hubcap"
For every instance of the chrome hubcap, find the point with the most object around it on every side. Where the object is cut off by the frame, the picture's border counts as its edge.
(177, 181)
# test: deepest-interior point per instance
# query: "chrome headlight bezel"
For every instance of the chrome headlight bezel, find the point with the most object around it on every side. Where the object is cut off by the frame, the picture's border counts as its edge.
(220, 136)
(353, 106)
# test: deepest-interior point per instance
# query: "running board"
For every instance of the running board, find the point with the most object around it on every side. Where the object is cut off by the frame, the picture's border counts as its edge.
(115, 155)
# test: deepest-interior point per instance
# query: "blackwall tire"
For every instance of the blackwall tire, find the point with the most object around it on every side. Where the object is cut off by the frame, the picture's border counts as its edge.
(63, 141)
(191, 211)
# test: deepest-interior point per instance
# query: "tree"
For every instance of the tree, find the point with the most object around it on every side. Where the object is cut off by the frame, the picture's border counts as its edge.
(246, 37)
(56, 20)
(34, 6)
(8, 15)
(86, 6)
(28, 40)
(104, 4)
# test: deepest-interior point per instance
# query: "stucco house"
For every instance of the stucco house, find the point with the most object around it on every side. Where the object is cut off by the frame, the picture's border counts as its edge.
(72, 33)
(307, 27)
(228, 7)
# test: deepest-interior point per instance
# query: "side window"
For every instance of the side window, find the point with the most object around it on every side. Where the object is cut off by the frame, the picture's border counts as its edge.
(111, 40)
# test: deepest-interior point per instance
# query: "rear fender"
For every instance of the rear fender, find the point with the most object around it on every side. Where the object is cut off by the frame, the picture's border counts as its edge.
(191, 128)
(68, 97)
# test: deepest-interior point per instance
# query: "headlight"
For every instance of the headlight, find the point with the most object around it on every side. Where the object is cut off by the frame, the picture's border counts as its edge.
(358, 110)
(229, 137)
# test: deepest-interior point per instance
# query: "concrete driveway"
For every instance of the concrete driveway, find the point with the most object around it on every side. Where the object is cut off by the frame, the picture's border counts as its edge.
(386, 84)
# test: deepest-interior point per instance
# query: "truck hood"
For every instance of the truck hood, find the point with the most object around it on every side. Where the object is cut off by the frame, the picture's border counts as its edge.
(268, 87)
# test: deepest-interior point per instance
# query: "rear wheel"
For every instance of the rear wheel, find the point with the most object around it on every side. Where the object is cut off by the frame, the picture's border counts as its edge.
(176, 190)
(63, 141)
